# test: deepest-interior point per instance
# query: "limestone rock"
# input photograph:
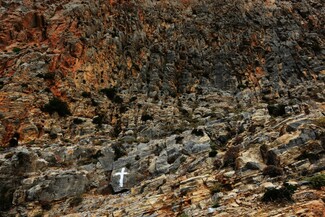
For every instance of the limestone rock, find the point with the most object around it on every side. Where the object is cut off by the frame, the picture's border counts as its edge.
(58, 186)
(162, 108)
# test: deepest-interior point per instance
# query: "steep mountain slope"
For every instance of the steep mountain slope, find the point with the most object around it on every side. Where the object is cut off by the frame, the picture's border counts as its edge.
(205, 104)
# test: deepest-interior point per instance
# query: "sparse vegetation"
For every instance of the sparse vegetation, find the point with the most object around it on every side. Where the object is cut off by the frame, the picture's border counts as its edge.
(99, 120)
(231, 156)
(39, 215)
(86, 94)
(57, 105)
(272, 171)
(47, 76)
(320, 122)
(143, 139)
(216, 205)
(46, 205)
(217, 187)
(213, 151)
(119, 151)
(197, 132)
(111, 93)
(146, 117)
(128, 165)
(179, 139)
(75, 201)
(283, 194)
(77, 121)
(182, 159)
(183, 215)
(16, 49)
(317, 181)
(117, 129)
(13, 142)
(276, 110)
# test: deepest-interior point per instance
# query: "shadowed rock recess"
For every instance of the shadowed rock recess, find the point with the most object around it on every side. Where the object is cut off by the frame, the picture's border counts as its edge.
(162, 108)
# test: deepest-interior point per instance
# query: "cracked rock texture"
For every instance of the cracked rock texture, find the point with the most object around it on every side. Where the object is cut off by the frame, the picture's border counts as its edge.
(206, 104)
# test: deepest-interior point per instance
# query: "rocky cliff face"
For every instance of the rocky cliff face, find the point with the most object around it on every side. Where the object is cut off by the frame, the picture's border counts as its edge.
(162, 108)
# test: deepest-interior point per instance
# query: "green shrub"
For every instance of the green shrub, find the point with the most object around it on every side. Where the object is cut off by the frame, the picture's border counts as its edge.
(111, 93)
(317, 181)
(283, 194)
(99, 120)
(86, 94)
(57, 105)
(216, 205)
(146, 117)
(213, 151)
(16, 49)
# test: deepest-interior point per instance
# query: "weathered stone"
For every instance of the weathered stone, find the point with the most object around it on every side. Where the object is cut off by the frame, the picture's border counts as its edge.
(229, 174)
(174, 92)
(7, 189)
(107, 159)
(162, 165)
(58, 186)
(123, 179)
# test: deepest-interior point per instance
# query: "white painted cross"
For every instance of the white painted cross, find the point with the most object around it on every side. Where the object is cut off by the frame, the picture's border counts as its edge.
(121, 174)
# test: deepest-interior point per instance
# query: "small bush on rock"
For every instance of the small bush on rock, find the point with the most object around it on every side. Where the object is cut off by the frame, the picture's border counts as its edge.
(86, 94)
(276, 110)
(213, 151)
(16, 49)
(111, 93)
(317, 181)
(216, 205)
(57, 105)
(146, 117)
(99, 120)
(283, 194)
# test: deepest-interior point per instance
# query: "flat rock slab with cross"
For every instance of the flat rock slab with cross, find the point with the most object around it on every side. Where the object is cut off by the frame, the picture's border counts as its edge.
(122, 179)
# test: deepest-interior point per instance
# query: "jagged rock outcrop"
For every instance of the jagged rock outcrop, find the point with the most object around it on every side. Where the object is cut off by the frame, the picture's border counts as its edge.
(161, 108)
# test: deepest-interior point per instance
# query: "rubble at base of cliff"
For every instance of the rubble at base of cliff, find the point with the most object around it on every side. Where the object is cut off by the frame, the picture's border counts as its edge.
(160, 108)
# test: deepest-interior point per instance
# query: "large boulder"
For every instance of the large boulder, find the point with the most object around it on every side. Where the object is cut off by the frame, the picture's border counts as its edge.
(58, 186)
